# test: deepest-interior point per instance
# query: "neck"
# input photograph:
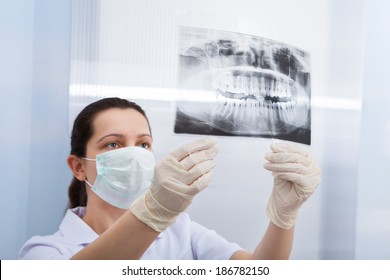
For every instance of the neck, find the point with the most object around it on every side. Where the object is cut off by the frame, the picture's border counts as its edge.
(101, 217)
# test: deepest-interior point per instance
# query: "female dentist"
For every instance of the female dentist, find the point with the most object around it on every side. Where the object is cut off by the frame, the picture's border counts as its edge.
(125, 206)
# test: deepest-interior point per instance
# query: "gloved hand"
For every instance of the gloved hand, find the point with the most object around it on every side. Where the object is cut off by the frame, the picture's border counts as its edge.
(296, 177)
(177, 179)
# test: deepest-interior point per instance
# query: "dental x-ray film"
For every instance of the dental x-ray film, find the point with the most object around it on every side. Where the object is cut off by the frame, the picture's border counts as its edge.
(234, 84)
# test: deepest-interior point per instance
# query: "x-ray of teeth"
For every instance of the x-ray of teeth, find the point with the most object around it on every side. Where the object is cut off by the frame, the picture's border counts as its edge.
(253, 86)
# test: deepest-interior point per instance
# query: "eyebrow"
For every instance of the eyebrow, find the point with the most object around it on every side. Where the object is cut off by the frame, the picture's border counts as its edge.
(121, 136)
(143, 135)
(110, 135)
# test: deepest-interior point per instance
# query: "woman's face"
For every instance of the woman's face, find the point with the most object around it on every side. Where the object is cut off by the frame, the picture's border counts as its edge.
(115, 129)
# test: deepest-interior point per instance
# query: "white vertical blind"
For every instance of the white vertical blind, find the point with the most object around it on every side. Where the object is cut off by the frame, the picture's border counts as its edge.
(124, 43)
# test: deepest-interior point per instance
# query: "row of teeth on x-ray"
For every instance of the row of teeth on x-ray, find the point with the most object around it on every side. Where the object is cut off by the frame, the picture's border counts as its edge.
(251, 86)
(260, 102)
(233, 111)
(243, 90)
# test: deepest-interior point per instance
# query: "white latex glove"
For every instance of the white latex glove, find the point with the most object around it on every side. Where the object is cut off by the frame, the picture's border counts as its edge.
(296, 177)
(177, 179)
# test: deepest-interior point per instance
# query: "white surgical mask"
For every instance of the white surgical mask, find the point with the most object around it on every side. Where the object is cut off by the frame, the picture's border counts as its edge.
(123, 175)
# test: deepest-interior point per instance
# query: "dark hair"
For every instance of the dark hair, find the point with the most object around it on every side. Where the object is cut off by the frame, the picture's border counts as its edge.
(81, 133)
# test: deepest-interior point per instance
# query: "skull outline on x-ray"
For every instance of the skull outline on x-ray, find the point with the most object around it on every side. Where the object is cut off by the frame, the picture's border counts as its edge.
(259, 87)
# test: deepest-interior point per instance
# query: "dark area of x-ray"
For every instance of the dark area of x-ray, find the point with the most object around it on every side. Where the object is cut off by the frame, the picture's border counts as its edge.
(254, 86)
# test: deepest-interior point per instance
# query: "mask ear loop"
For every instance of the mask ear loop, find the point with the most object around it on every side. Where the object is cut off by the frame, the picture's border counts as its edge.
(85, 179)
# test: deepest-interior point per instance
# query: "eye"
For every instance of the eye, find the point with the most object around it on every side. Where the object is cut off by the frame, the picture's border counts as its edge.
(145, 142)
(145, 146)
(112, 145)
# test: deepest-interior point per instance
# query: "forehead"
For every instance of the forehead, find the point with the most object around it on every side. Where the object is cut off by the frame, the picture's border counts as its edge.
(120, 121)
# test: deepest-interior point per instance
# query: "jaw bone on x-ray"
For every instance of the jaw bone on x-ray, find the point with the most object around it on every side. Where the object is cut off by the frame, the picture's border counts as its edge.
(253, 86)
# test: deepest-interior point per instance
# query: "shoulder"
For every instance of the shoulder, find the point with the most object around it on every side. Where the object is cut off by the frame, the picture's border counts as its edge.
(46, 247)
(72, 236)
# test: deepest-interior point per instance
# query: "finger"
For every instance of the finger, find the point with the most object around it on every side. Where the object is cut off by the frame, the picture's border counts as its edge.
(302, 182)
(287, 167)
(189, 148)
(291, 177)
(198, 170)
(198, 157)
(172, 188)
(287, 157)
(281, 147)
(180, 175)
(202, 182)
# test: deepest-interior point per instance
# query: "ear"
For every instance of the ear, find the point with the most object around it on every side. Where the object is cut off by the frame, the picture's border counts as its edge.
(75, 164)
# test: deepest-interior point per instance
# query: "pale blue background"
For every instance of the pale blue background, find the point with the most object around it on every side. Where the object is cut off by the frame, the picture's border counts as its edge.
(34, 77)
(353, 147)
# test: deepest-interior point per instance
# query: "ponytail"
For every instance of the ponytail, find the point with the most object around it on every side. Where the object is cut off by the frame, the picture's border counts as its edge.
(77, 194)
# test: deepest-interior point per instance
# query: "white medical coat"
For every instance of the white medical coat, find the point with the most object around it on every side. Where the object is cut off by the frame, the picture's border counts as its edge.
(184, 240)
